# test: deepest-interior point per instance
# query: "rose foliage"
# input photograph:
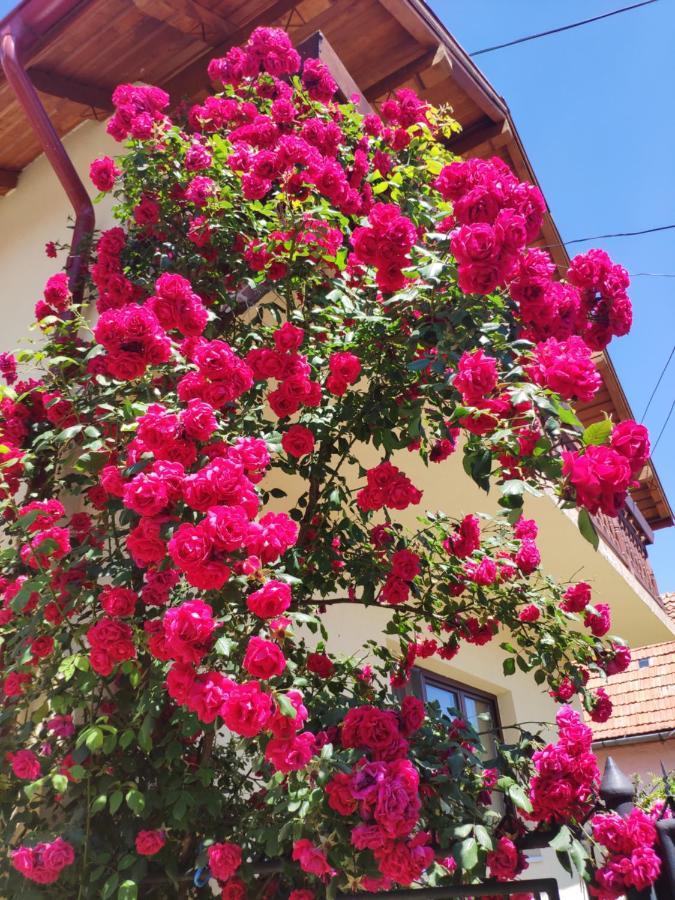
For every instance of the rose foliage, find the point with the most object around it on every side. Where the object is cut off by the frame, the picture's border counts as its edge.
(293, 289)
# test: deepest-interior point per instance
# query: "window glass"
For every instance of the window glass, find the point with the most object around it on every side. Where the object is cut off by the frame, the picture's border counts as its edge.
(453, 699)
(481, 715)
(446, 699)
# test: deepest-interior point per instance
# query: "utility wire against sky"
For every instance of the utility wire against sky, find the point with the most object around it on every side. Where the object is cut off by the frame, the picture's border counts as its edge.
(616, 234)
(663, 427)
(532, 37)
(658, 382)
(620, 234)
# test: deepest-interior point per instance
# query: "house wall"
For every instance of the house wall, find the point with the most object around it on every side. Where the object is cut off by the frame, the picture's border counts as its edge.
(37, 212)
(642, 760)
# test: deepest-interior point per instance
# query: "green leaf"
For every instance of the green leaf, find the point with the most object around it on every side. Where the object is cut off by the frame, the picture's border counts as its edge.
(145, 734)
(509, 665)
(520, 798)
(286, 707)
(98, 804)
(94, 739)
(483, 837)
(60, 783)
(135, 801)
(597, 433)
(128, 890)
(115, 801)
(579, 856)
(562, 840)
(468, 853)
(564, 860)
(568, 417)
(587, 528)
(110, 885)
(224, 646)
(513, 488)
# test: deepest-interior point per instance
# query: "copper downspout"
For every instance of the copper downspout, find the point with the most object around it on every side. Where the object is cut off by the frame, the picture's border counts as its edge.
(26, 95)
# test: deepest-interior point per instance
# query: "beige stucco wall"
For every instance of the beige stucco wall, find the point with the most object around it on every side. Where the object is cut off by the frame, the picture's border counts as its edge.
(641, 759)
(37, 212)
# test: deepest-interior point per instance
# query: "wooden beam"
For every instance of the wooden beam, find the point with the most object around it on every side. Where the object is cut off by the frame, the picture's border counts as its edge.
(8, 179)
(399, 76)
(479, 134)
(408, 17)
(186, 16)
(56, 85)
(193, 80)
(316, 46)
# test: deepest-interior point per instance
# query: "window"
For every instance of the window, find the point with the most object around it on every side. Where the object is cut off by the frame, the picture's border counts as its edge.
(478, 708)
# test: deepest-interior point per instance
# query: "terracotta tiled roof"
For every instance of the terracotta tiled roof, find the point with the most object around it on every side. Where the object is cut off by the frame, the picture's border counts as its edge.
(643, 696)
(668, 601)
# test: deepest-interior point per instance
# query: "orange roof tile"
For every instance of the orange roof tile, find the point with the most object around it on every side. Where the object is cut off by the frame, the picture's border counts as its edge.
(643, 698)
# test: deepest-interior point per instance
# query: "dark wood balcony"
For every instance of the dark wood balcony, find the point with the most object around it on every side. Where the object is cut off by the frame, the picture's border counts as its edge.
(629, 535)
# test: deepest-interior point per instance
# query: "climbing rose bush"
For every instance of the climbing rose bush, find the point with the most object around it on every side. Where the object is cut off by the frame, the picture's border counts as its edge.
(215, 442)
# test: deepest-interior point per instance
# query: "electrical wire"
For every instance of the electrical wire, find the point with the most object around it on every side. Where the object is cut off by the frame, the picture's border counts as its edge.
(652, 274)
(532, 37)
(663, 427)
(616, 234)
(620, 234)
(656, 386)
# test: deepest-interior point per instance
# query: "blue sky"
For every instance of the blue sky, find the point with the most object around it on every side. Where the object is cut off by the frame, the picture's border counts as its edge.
(592, 106)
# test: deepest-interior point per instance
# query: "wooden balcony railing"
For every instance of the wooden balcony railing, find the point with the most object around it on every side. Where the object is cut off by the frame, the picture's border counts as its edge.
(629, 535)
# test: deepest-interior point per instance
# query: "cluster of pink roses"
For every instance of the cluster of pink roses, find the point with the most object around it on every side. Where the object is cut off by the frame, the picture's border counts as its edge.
(387, 487)
(385, 244)
(506, 861)
(605, 306)
(139, 111)
(383, 790)
(288, 367)
(267, 50)
(111, 642)
(601, 475)
(44, 862)
(632, 862)
(134, 339)
(185, 499)
(107, 272)
(567, 776)
(56, 299)
(405, 566)
(566, 368)
(497, 216)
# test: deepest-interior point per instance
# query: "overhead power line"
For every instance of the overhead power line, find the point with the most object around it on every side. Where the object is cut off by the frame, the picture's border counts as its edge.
(663, 428)
(656, 386)
(532, 37)
(620, 234)
(615, 234)
(652, 274)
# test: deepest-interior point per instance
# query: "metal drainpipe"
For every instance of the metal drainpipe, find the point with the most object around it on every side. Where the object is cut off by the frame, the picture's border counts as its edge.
(26, 95)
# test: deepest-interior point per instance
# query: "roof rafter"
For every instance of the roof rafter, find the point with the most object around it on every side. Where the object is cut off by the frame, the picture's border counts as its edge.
(186, 16)
(192, 80)
(480, 134)
(8, 179)
(56, 85)
(422, 61)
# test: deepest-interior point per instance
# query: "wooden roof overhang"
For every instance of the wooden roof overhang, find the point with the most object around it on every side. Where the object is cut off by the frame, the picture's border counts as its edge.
(77, 51)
